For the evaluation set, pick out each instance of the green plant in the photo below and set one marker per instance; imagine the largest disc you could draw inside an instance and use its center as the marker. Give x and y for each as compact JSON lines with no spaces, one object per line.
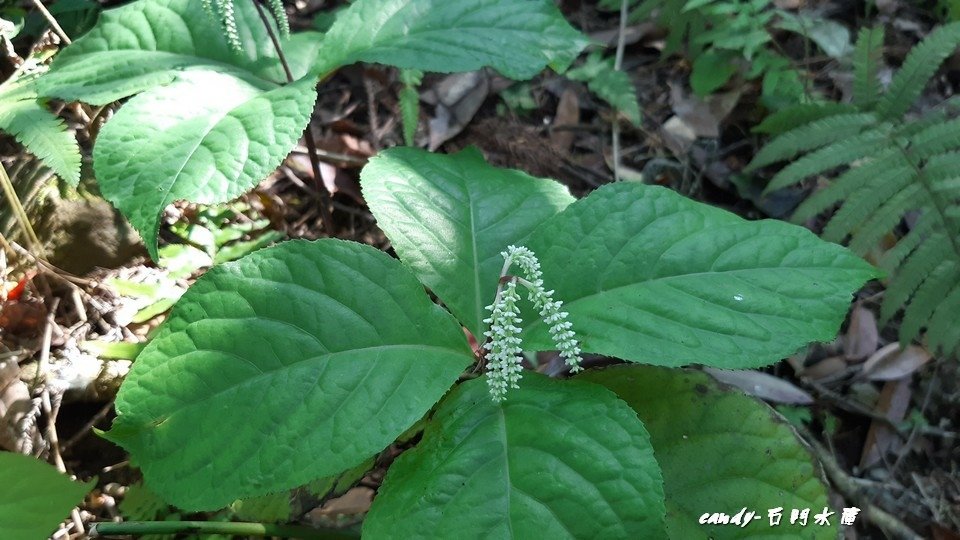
{"x":35,"y":497}
{"x":722,"y":37}
{"x":300,"y":363}
{"x":208,"y":120}
{"x":303,"y":360}
{"x":891,"y":164}
{"x":611,"y":85}
{"x":43,"y":134}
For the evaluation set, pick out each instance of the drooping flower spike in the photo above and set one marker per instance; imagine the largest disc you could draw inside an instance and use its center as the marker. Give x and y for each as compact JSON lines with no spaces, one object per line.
{"x":503,"y":338}
{"x":503,"y":342}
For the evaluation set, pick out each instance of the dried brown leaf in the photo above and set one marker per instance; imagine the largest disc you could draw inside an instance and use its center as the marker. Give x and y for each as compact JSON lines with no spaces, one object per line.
{"x":762,"y":385}
{"x":890,"y":362}
{"x":862,"y":338}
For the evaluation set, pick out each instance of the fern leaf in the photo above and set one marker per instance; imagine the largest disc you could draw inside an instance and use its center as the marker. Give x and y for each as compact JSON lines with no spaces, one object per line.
{"x":920,"y":65}
{"x":885,"y":218}
{"x":921,"y":307}
{"x":611,"y":85}
{"x":920,"y":264}
{"x":862,"y":204}
{"x":867,"y":58}
{"x":938,"y":138}
{"x":939,"y":177}
{"x":943,"y":332}
{"x":904,"y":249}
{"x":42,"y":133}
{"x":830,"y":157}
{"x":790,"y":117}
{"x":811,"y":136}
{"x":889,"y":163}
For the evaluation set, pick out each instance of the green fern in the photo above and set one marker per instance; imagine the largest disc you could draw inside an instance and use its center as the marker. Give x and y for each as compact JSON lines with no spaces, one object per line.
{"x":719,"y":36}
{"x":611,"y":85}
{"x":886,"y":166}
{"x":42,"y":133}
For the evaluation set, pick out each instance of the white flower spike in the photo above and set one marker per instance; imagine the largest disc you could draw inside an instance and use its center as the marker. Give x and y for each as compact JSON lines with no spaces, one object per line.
{"x":503,"y":344}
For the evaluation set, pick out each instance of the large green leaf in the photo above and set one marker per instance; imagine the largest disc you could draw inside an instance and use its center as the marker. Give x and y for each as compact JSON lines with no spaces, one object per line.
{"x":35,"y":497}
{"x":650,"y":276}
{"x":295,"y":362}
{"x":720,"y":451}
{"x":182,"y":141}
{"x":555,"y":460}
{"x":210,"y":124}
{"x":450,"y":216}
{"x":43,"y":134}
{"x":517,"y":38}
{"x":148,"y":43}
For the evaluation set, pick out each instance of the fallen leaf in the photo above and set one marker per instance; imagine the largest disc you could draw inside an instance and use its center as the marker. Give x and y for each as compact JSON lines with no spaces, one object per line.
{"x":456,"y":99}
{"x":568,"y":114}
{"x":18,"y":429}
{"x":762,"y":385}
{"x":355,"y":501}
{"x":862,"y":338}
{"x":881,"y":438}
{"x":825,"y":368}
{"x":703,"y":115}
{"x":631,"y":34}
{"x":891,"y":363}
{"x":677,"y":135}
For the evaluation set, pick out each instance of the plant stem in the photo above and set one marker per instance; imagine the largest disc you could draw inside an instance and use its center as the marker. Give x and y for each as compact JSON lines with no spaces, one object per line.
{"x":52,"y":21}
{"x":36,"y":248}
{"x":215,"y":527}
{"x":325,"y":212}
{"x":618,"y":62}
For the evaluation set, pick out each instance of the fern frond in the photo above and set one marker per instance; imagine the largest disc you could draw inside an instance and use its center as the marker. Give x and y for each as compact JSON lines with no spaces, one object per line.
{"x":941,"y":137}
{"x":868,"y":234}
{"x":862,"y":204}
{"x":939,"y":177}
{"x":920,"y":264}
{"x":920,"y":65}
{"x":796,"y":115}
{"x":889,"y":162}
{"x":811,"y":136}
{"x":831,"y":157}
{"x":40,"y":131}
{"x":933,"y":289}
{"x":943,"y":332}
{"x":895,"y":256}
{"x":867,"y":58}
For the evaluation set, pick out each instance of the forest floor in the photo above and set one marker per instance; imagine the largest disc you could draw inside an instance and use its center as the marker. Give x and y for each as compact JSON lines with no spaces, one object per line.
{"x":884,"y":421}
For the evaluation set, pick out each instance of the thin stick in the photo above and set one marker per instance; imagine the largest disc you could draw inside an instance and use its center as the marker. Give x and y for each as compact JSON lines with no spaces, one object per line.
{"x":325,"y":213}
{"x":51,"y":405}
{"x":848,"y":487}
{"x":87,"y":427}
{"x":215,"y":527}
{"x":52,"y":21}
{"x":36,"y":248}
{"x":618,"y":63}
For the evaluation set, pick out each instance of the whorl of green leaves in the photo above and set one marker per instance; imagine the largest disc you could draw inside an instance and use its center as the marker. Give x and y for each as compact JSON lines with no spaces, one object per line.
{"x":886,"y":166}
